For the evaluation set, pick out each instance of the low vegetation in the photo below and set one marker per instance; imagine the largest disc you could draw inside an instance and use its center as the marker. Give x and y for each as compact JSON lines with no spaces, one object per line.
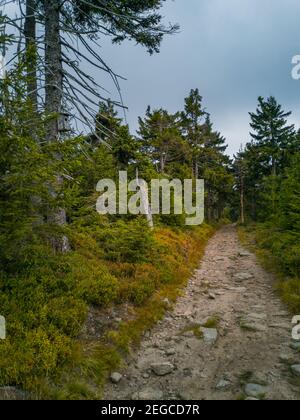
{"x":262,"y":240}
{"x":46,"y":305}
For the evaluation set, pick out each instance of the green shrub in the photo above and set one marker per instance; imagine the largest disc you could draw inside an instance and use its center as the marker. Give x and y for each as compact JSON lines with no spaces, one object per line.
{"x":130,"y":241}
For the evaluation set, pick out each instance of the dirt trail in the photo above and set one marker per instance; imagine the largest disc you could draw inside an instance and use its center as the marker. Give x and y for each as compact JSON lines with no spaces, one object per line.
{"x":246,"y":354}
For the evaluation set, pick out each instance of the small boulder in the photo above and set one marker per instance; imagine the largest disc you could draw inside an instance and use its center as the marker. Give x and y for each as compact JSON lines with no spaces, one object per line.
{"x":149,"y":394}
{"x":286,"y":358}
{"x":243,"y":276}
{"x":244,"y":254}
{"x":223,"y":385}
{"x":295,"y":345}
{"x":256,"y":391}
{"x":170,"y":352}
{"x":162,"y":369}
{"x":296,"y":370}
{"x":115,"y":377}
{"x":210,"y":335}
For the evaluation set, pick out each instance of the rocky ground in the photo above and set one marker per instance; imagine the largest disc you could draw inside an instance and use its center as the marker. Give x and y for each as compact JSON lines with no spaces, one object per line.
{"x":228,"y":338}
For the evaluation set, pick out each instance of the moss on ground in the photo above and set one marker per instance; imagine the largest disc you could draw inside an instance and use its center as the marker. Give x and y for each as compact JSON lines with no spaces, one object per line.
{"x":47,"y":301}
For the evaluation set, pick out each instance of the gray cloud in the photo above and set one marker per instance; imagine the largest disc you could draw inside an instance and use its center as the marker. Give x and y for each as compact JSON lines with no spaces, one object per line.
{"x":232,"y":50}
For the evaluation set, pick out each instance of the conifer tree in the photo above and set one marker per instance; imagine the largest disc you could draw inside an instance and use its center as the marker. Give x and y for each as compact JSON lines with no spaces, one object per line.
{"x":193,"y":118}
{"x":271,"y":133}
{"x":161,"y":138}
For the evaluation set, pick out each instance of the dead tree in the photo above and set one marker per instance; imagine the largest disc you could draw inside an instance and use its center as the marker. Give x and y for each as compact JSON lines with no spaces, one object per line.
{"x":31,"y":52}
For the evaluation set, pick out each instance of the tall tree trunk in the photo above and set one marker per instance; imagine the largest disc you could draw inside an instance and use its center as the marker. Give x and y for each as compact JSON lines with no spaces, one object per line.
{"x":54,"y":70}
{"x":145,"y":201}
{"x":54,"y":97}
{"x":196,"y":170}
{"x":162,"y":162}
{"x":31,"y":53}
{"x":32,"y":86}
{"x":274,"y":176}
{"x":242,"y":201}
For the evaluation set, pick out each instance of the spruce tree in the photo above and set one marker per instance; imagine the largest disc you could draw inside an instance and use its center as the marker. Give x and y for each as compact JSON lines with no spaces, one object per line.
{"x":271,"y":133}
{"x":192,"y":125}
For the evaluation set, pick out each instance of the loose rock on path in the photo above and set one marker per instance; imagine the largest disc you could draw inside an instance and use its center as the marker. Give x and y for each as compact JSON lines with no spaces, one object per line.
{"x":237,"y":345}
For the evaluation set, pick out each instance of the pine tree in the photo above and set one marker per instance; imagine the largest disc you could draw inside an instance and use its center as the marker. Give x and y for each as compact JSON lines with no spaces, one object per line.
{"x":107,"y":122}
{"x":272,"y":135}
{"x":240,"y":171}
{"x":192,"y":126}
{"x":136,"y":20}
{"x":161,"y":139}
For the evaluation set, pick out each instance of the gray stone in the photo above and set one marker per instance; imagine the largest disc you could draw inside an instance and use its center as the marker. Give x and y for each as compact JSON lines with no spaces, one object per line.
{"x":245,"y":254}
{"x":185,"y":395}
{"x":259,"y":379}
{"x":256,"y":391}
{"x":251,"y":399}
{"x":223,"y":385}
{"x":238,"y":289}
{"x":116,"y":377}
{"x":148,"y":394}
{"x":295,"y":346}
{"x":286,"y":358}
{"x":296,"y":370}
{"x":210,"y":335}
{"x":170,"y":352}
{"x":162,"y":369}
{"x":243,"y":276}
{"x":212,"y":296}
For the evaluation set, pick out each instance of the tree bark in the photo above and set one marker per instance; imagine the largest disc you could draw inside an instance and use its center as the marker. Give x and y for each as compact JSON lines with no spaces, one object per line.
{"x":54,"y":70}
{"x":31,"y":53}
{"x":53,"y":98}
{"x":145,"y":202}
{"x":242,"y":201}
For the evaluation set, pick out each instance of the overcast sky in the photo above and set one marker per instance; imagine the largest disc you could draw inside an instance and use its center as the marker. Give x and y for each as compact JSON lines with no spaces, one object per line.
{"x":232,"y":50}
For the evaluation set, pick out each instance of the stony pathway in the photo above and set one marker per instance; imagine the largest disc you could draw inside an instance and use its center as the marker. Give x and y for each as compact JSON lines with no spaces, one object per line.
{"x":228,"y":338}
